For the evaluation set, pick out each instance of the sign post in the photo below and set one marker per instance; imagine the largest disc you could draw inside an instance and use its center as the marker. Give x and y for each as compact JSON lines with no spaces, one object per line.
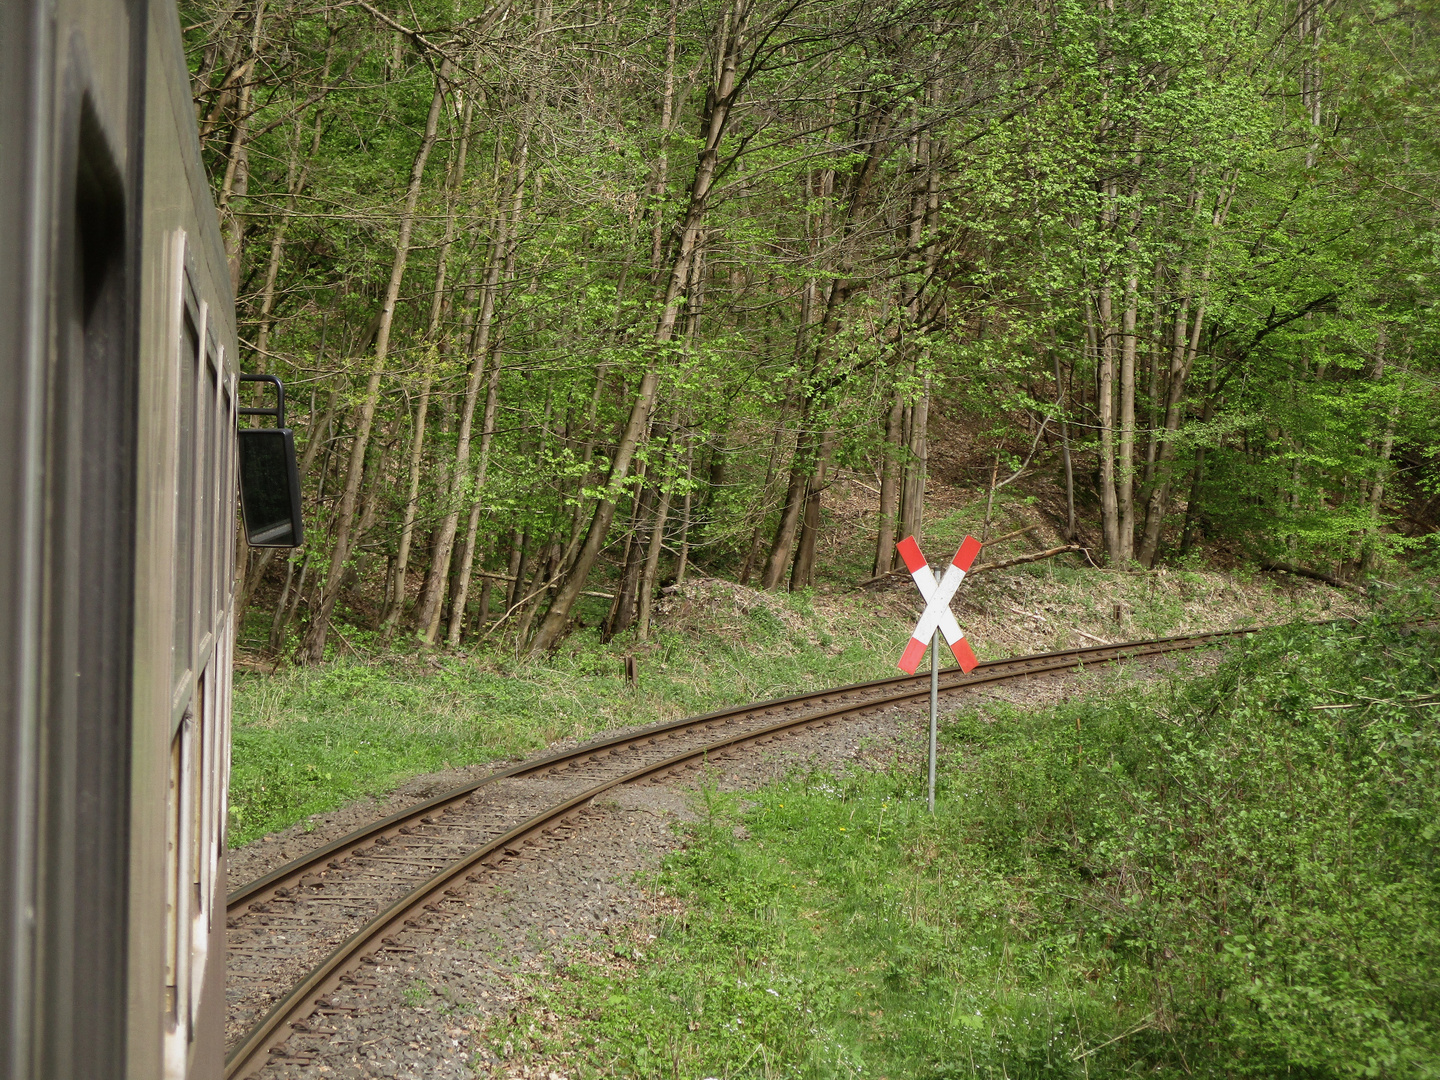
{"x":936,"y":620}
{"x":934,"y":708}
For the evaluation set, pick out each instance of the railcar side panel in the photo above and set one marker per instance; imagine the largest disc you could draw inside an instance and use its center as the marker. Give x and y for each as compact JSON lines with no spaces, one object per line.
{"x":24,"y":195}
{"x":117,"y":448}
{"x":187,"y":420}
{"x":69,"y":380}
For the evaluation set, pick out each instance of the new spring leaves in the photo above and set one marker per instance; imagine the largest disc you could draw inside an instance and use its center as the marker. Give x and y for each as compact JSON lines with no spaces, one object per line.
{"x":937,"y":596}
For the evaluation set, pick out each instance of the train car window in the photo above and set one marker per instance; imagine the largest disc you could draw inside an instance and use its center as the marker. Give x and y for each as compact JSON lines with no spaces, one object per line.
{"x":172,"y":881}
{"x":184,"y":573}
{"x":208,"y":507}
{"x":227,"y":484}
{"x":181,"y":846}
{"x":198,"y":853}
{"x":213,"y":767}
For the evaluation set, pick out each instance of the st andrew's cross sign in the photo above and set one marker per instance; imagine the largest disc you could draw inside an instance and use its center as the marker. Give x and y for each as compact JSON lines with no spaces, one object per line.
{"x":937,"y":594}
{"x":935,"y":620}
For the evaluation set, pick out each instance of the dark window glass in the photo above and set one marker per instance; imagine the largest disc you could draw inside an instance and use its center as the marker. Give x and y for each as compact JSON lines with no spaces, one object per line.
{"x":207,"y":508}
{"x":185,"y":502}
{"x":227,"y":502}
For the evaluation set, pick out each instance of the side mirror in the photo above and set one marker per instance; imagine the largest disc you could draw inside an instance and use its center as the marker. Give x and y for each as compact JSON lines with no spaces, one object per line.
{"x":269,"y":479}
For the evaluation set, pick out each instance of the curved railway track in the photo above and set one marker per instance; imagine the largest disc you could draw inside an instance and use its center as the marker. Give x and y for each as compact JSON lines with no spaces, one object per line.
{"x":297,"y":933}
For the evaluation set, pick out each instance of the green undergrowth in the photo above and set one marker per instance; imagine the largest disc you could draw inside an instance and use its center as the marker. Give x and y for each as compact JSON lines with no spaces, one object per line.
{"x":1229,"y":876}
{"x":307,"y":740}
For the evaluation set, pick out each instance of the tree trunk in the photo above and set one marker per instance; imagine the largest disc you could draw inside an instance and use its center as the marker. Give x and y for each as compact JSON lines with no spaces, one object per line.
{"x":249,"y":582}
{"x":1197,"y":473}
{"x":802,"y":574}
{"x":467,"y":558}
{"x":1187,"y":345}
{"x":521,"y":571}
{"x":916,"y":418}
{"x":1126,"y":464}
{"x":763,"y":501}
{"x":660,"y":176}
{"x":685,"y":518}
{"x":532,"y":600}
{"x":801,"y":466}
{"x":1156,"y":347}
{"x":1182,"y":358}
{"x":314,"y":646}
{"x":428,"y":617}
{"x":652,"y":566}
{"x":1382,"y":462}
{"x":587,"y":458}
{"x":482,"y":613}
{"x":284,"y":617}
{"x":1105,"y":394}
{"x":723,"y":96}
{"x":1070,"y":527}
{"x":276,"y":627}
{"x":512,"y":567}
{"x":401,"y":570}
{"x":859,"y":186}
{"x":912,"y":488}
{"x":295,"y":178}
{"x":889,"y":466}
{"x":294,"y":182}
{"x":370,"y":502}
{"x":237,"y":163}
{"x":622,"y":610}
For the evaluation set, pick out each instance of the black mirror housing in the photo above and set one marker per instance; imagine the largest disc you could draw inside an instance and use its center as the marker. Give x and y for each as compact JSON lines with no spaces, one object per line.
{"x":269,"y":478}
{"x":270,"y":488}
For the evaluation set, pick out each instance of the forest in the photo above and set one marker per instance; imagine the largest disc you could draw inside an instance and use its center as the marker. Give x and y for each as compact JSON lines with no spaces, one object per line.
{"x":576,"y":300}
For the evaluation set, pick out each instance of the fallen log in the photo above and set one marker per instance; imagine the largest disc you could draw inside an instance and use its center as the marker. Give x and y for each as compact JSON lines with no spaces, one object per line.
{"x":1306,"y":572}
{"x":1036,"y":556}
{"x":1011,"y":535}
{"x":496,"y":576}
{"x":999,"y":564}
{"x":881,"y":577}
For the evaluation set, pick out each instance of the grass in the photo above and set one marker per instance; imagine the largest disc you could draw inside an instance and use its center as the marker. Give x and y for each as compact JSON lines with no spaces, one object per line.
{"x":1237,"y":876}
{"x":307,"y":740}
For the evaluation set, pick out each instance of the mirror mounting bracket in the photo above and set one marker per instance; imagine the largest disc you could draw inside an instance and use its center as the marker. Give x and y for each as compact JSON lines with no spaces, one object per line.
{"x":279,"y":411}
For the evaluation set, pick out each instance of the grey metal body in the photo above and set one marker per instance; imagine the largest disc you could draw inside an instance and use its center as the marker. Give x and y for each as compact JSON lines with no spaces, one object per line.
{"x":116,"y":536}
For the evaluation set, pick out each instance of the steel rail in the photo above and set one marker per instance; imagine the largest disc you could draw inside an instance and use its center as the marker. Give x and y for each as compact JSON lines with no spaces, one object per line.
{"x":250,"y":1054}
{"x":276,"y":881}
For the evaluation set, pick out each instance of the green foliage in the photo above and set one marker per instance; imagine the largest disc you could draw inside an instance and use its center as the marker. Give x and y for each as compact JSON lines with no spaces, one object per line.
{"x":307,"y":740}
{"x":912,"y":199}
{"x":1233,"y":876}
{"x":1258,"y":849}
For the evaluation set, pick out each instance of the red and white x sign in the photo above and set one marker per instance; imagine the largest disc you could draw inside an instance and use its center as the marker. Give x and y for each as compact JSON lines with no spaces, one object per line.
{"x":937,"y":596}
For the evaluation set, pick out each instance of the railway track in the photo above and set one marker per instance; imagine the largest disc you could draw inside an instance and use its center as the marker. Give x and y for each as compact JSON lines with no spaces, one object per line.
{"x":299,"y":932}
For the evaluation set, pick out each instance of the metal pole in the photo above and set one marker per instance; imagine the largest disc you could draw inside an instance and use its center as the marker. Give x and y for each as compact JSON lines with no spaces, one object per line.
{"x":934,"y":708}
